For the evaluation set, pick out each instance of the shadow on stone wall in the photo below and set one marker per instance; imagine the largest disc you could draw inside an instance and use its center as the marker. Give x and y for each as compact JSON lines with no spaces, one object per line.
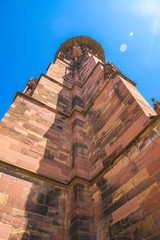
{"x":46,"y":204}
{"x":54,"y":213}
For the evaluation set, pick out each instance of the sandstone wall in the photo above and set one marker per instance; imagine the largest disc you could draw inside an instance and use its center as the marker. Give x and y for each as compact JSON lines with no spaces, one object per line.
{"x":53,"y":95}
{"x":30,"y":209}
{"x":68,"y":167}
{"x":61,"y":72}
{"x":127,"y":198}
{"x":113,"y":121}
{"x":80,"y":213}
{"x":36,"y":138}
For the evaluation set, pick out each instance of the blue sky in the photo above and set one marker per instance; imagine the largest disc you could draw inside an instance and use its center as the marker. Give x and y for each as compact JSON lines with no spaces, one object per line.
{"x":32,"y":30}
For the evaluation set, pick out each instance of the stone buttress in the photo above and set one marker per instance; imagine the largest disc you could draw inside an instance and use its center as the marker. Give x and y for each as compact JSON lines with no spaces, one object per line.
{"x":79,"y":154}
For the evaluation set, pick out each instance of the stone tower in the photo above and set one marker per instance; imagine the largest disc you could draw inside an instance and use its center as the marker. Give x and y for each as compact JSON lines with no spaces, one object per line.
{"x":80,"y":154}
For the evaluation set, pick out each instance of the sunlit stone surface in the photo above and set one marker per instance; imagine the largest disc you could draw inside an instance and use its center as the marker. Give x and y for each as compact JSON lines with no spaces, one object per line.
{"x":79,"y":153}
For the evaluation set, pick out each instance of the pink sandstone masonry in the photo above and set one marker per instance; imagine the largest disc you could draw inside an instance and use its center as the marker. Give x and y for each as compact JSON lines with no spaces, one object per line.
{"x":79,"y":154}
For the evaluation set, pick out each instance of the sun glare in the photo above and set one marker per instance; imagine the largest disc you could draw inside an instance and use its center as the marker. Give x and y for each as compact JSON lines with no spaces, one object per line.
{"x":150,"y":9}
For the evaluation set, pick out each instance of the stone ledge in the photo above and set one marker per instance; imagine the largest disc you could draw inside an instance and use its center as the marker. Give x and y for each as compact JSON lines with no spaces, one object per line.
{"x":75,"y":110}
{"x":67,"y":185}
{"x":81,"y":86}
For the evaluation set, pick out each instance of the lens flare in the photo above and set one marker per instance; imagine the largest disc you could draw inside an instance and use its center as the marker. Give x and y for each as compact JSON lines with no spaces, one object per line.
{"x":123,"y":47}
